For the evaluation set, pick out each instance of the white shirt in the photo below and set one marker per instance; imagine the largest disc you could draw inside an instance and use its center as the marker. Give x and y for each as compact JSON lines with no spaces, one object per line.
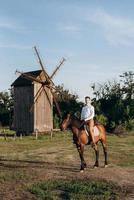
{"x":87,"y":112}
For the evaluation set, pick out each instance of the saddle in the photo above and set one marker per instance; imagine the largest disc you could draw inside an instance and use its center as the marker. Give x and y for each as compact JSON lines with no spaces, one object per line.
{"x":96,"y":130}
{"x":86,"y":128}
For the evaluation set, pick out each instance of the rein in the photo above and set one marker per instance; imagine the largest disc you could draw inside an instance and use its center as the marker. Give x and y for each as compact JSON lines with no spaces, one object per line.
{"x":75,"y":122}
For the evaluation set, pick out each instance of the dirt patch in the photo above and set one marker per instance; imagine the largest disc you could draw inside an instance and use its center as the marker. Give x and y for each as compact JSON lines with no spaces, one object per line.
{"x":29,"y":161}
{"x":39,"y":171}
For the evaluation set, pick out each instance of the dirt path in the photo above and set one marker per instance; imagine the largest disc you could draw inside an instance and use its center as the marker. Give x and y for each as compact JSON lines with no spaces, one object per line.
{"x":28,"y":161}
{"x":31,"y":172}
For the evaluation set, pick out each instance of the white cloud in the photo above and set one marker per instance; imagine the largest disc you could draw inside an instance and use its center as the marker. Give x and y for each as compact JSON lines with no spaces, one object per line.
{"x":6,"y":25}
{"x":69,"y":28}
{"x":117,"y":30}
{"x":15,"y":26}
{"x":10,"y":24}
{"x":15,"y":46}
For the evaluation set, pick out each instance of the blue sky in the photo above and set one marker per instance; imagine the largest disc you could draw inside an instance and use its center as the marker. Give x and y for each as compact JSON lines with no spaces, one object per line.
{"x":95,"y":36}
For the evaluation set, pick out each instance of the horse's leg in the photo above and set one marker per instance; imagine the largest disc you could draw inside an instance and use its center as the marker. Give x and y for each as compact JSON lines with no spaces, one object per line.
{"x":105,"y":152}
{"x":80,"y":149}
{"x":97,"y":156}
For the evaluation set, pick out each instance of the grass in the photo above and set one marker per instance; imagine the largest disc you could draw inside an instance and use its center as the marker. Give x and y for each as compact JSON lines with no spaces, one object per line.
{"x":6,"y":130}
{"x":17,"y":175}
{"x":121,"y":150}
{"x":76,"y":190}
{"x":63,"y":151}
{"x":26,"y":161}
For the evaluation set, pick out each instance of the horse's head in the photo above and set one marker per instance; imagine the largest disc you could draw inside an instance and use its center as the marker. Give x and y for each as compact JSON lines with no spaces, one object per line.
{"x":66,"y":122}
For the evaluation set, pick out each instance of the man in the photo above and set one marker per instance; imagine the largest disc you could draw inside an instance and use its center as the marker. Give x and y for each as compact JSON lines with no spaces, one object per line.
{"x":87,"y":114}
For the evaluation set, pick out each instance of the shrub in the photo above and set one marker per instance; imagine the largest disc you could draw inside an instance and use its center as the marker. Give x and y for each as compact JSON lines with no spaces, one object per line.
{"x":129,"y":125}
{"x":56,"y":121}
{"x":119,"y":129}
{"x":102,"y":119}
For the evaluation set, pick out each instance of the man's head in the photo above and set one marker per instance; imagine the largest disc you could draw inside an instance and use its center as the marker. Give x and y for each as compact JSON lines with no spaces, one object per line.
{"x":87,"y":100}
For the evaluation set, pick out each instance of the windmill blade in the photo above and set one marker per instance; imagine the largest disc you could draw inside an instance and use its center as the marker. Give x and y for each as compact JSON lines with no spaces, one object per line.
{"x":58,"y":67}
{"x":54,"y":88}
{"x":42,"y":67}
{"x":56,"y":104}
{"x":46,"y":92}
{"x":48,"y":79}
{"x":38,"y":95}
{"x":36,"y":98}
{"x":29,"y":77}
{"x":47,"y":96}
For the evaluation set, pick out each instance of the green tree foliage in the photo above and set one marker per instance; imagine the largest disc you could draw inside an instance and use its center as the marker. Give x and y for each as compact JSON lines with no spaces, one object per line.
{"x":6,"y":104}
{"x":115,"y":101}
{"x":67,"y":102}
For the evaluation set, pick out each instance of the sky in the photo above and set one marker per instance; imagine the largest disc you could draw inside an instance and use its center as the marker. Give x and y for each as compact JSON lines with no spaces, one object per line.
{"x":95,"y":36}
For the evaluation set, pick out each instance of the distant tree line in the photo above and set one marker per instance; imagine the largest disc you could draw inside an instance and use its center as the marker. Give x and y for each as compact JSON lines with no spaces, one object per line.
{"x":6,"y":107}
{"x":113,"y":101}
{"x":67,"y":102}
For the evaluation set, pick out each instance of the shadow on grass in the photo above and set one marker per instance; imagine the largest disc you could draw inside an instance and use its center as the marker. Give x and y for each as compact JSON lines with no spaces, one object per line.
{"x":40,"y":164}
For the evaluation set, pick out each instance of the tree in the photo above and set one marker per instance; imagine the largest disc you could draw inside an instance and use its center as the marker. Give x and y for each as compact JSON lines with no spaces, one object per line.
{"x":127,"y":80}
{"x":6,"y":103}
{"x":115,"y":100}
{"x":67,"y":102}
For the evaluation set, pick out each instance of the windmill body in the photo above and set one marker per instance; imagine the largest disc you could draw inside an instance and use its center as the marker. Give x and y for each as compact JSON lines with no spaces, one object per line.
{"x":34,"y":93}
{"x":27,"y":93}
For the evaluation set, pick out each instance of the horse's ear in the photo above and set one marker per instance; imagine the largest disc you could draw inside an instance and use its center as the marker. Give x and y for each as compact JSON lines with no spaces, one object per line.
{"x":68,"y":114}
{"x":71,"y":113}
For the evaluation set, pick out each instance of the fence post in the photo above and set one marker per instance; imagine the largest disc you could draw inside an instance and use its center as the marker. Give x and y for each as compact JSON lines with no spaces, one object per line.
{"x":4,"y":134}
{"x":21,"y":136}
{"x":36,"y":133}
{"x":51,"y":133}
{"x":15,"y":136}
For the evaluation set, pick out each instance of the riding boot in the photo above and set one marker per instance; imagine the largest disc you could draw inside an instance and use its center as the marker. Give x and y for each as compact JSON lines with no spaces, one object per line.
{"x":93,"y":145}
{"x":81,"y":124}
{"x":74,"y":139}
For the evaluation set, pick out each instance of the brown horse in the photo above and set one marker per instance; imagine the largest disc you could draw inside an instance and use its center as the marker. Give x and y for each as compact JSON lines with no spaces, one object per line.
{"x":81,"y":138}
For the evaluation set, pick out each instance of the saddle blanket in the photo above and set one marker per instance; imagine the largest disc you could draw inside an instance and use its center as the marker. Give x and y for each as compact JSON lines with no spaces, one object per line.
{"x":96,"y":131}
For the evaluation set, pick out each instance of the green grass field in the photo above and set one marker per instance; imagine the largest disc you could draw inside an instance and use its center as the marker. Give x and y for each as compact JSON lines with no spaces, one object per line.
{"x":76,"y":189}
{"x":29,"y":166}
{"x":118,"y":147}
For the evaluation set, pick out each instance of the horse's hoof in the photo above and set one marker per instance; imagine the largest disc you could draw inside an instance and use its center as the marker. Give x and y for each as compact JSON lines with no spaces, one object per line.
{"x":105,"y":166}
{"x":85,"y":166}
{"x":95,"y":166}
{"x":82,"y":170}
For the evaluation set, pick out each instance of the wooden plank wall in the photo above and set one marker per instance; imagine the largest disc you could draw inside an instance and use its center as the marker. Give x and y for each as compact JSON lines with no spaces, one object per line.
{"x":23,"y":119}
{"x":43,"y":112}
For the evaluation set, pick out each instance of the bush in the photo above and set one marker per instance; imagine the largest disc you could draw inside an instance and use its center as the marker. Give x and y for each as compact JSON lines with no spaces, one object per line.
{"x":112,"y":125}
{"x":129,"y":125}
{"x":56,"y":121}
{"x":102,"y":119}
{"x":119,"y":129}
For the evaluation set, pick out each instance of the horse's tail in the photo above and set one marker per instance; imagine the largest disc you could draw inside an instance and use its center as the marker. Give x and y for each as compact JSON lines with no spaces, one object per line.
{"x":102,"y":131}
{"x":96,"y":123}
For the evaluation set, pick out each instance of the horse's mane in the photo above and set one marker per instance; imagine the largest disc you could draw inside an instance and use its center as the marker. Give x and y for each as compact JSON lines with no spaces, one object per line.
{"x":75,"y":118}
{"x":71,"y":114}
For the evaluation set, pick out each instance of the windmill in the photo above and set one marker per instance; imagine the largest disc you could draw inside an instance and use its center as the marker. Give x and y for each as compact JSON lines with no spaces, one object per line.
{"x":45,"y":87}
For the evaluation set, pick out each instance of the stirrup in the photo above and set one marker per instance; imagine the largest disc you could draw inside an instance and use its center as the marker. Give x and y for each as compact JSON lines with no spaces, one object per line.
{"x":86,"y":130}
{"x":93,"y":145}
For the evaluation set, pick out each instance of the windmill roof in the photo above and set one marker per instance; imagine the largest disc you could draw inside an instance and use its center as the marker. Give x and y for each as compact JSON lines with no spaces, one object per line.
{"x":21,"y":81}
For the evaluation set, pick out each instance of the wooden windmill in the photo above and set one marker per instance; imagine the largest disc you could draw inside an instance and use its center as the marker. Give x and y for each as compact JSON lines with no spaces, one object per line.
{"x":34,"y":94}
